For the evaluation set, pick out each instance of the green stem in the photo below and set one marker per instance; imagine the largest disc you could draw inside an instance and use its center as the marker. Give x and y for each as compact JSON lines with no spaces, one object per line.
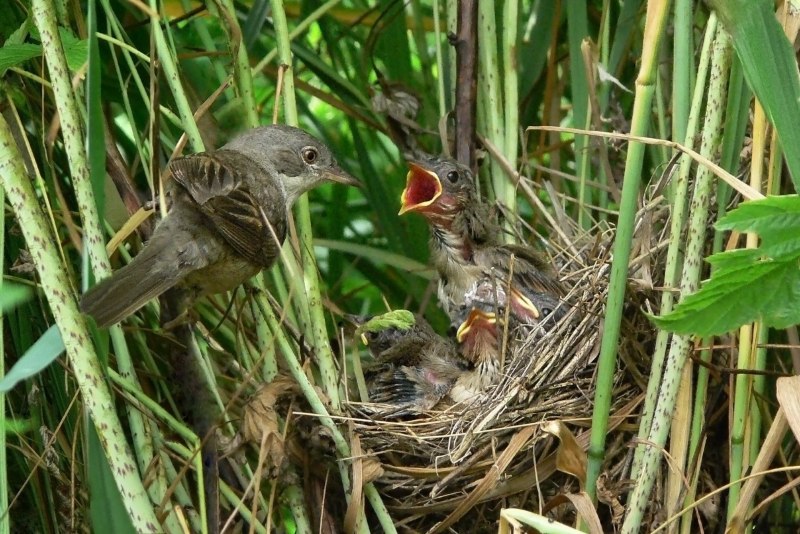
{"x":491,"y":100}
{"x":5,"y":517}
{"x":315,"y":328}
{"x":71,"y":325}
{"x":676,"y":240}
{"x":654,"y":28}
{"x":170,"y":67}
{"x":690,"y":280}
{"x":242,"y":74}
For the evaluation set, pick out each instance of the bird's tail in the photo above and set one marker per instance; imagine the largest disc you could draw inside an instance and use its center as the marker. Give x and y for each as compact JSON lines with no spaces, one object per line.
{"x":129,"y":288}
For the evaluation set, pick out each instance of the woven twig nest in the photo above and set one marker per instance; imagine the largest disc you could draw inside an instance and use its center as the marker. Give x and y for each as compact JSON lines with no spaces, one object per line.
{"x":447,"y":461}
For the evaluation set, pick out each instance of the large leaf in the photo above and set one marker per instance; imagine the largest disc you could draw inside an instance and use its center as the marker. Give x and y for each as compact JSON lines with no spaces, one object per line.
{"x":770,"y":68}
{"x":776,"y":219}
{"x":12,"y":55}
{"x":744,"y":290}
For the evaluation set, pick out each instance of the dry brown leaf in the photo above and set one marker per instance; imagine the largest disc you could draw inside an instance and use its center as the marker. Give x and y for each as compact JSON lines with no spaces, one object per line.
{"x":570,"y":457}
{"x":371,"y":469}
{"x":355,"y":505}
{"x":606,"y":496}
{"x":583,"y":505}
{"x":260,"y":421}
{"x":788,"y":393}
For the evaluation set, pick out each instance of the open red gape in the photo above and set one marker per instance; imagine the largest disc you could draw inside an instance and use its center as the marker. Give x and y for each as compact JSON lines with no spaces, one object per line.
{"x":422,"y":189}
{"x":476,"y":321}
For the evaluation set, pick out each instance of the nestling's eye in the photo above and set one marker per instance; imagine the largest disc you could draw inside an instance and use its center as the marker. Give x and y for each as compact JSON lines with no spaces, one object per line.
{"x":453,"y":176}
{"x":310,"y":154}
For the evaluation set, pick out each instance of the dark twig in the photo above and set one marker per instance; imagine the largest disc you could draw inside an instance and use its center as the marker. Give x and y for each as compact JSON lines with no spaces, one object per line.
{"x":466,"y":44}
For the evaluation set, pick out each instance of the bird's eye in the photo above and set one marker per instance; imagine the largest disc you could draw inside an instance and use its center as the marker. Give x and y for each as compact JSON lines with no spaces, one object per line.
{"x":453,"y":176}
{"x":310,"y":154}
{"x":546,"y":312}
{"x":372,"y":335}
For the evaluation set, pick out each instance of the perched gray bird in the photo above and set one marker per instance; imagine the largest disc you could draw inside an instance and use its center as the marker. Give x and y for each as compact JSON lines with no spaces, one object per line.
{"x":226,"y":220}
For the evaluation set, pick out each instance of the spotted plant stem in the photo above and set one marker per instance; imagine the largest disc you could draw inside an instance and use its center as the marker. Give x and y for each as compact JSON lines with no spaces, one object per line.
{"x":77,"y":342}
{"x":690,"y":280}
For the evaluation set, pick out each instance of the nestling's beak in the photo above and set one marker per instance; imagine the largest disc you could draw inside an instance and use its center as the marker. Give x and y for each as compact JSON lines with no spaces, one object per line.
{"x":422,"y":189}
{"x":338,"y":175}
{"x":476,"y":319}
{"x":525,"y":303}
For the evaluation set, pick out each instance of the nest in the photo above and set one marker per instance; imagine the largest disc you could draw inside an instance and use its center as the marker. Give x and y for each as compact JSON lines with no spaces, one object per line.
{"x":457,"y":466}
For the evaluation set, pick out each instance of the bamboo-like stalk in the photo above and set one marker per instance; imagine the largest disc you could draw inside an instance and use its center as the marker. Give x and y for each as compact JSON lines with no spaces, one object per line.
{"x":510,"y":85}
{"x":675,"y":247}
{"x":5,"y":517}
{"x":743,"y":383}
{"x":682,"y":67}
{"x":170,"y":67}
{"x":315,"y":327}
{"x":639,"y":497}
{"x":490,"y":101}
{"x":94,"y":242}
{"x":301,"y":27}
{"x":654,"y":28}
{"x":242,"y":74}
{"x":577,"y":31}
{"x":56,"y":287}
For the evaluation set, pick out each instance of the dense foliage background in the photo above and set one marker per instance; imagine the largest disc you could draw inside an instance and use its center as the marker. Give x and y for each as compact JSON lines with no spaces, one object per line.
{"x":87,"y":133}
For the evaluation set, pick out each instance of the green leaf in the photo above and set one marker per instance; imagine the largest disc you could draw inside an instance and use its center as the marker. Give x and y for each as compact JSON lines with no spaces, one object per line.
{"x":13,"y":295}
{"x":76,"y":50}
{"x":41,"y":354}
{"x":774,"y":212}
{"x":770,"y":68}
{"x":379,"y":256}
{"x":106,"y":508}
{"x":12,"y":55}
{"x":742,"y":292}
{"x":776,"y":219}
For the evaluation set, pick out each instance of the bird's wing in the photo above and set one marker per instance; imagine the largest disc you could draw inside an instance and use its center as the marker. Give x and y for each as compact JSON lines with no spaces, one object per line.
{"x":529,"y":269}
{"x":221,"y":184}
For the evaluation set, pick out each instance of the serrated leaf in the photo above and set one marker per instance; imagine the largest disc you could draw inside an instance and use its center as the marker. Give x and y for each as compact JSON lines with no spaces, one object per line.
{"x":19,"y":35}
{"x":765,"y":290}
{"x":761,"y":215}
{"x":41,"y":354}
{"x":13,"y":295}
{"x":775,"y":219}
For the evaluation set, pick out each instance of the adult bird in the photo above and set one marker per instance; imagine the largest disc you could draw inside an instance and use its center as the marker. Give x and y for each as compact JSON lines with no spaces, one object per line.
{"x":226,"y":219}
{"x":466,"y":250}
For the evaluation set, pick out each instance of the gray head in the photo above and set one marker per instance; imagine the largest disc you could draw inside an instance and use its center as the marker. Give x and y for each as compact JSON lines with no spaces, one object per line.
{"x":298,"y":159}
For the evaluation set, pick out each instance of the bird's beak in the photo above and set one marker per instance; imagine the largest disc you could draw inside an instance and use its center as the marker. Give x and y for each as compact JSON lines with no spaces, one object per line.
{"x":476,"y":319}
{"x":422,"y":189}
{"x":338,"y":175}
{"x":518,"y":298}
